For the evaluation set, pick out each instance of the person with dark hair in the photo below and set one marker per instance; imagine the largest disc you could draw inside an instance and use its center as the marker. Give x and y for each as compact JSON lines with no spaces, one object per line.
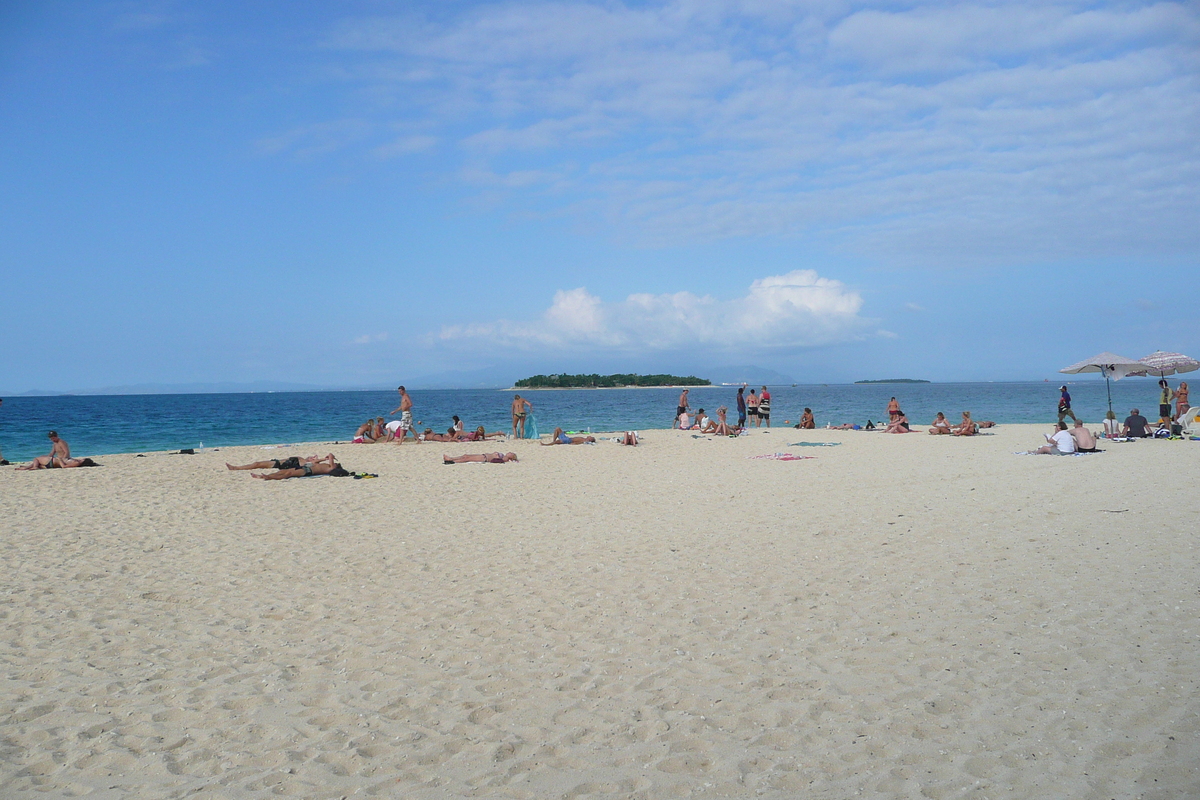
{"x":807,"y":423}
{"x":59,"y":457}
{"x":520,"y":412}
{"x":764,"y":406}
{"x":480,"y":458}
{"x":741,"y":406}
{"x":1164,"y":403}
{"x":1064,"y":405}
{"x":681,"y":408}
{"x":406,"y":419}
{"x":324,"y":466}
{"x":291,"y":462}
{"x":1060,"y":443}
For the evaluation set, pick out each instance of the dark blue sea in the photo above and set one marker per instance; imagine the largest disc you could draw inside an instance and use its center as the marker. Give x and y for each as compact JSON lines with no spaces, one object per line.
{"x":99,"y":424}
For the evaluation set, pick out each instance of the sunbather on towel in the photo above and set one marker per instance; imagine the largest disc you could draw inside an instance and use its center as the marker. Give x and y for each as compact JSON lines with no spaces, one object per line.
{"x":941,"y":425}
{"x":59,"y":457}
{"x":899,"y":425}
{"x":1060,"y":443}
{"x":558,"y":437}
{"x":479,"y":458}
{"x":967,"y":427}
{"x":292,"y":462}
{"x":1085,"y":440}
{"x":324,"y":466}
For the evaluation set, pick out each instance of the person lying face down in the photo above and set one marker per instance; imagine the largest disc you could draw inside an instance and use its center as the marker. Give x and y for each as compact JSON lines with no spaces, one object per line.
{"x":480,"y":458}
{"x":324,"y":466}
{"x":558,"y":437}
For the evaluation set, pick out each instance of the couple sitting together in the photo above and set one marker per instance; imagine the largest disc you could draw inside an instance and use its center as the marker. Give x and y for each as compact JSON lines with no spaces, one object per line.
{"x":1065,"y":442}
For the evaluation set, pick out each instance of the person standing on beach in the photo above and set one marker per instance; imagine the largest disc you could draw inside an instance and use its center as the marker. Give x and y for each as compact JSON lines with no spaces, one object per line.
{"x":893,"y":409}
{"x":752,"y":408}
{"x":406,"y":420}
{"x":1181,"y":401}
{"x":1164,"y":402}
{"x":520,"y":410}
{"x":1064,"y":405}
{"x":680,"y":409}
{"x":764,"y":406}
{"x":4,"y":461}
{"x":741,"y":406}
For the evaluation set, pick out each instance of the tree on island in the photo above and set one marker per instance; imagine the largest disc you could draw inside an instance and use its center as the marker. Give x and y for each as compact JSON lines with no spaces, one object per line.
{"x":607,"y":381}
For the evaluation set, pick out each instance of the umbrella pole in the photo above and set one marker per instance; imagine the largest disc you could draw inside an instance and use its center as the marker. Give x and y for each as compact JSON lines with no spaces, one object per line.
{"x":1108,"y":386}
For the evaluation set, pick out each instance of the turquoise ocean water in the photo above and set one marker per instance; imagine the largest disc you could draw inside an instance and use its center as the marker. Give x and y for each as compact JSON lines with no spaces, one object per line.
{"x":98,"y":424}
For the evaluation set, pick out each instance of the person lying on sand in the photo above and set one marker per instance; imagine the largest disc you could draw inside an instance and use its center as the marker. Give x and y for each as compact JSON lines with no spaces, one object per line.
{"x":479,"y":435}
{"x":558,"y":437}
{"x":429,"y":436}
{"x":324,"y":466}
{"x":480,"y":458}
{"x":58,"y":458}
{"x":940,"y":425}
{"x":899,"y":425}
{"x":291,"y":462}
{"x":966,"y":427}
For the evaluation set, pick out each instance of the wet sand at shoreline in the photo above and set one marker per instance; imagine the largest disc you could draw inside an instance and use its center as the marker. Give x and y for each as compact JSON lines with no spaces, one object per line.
{"x":898,"y":616}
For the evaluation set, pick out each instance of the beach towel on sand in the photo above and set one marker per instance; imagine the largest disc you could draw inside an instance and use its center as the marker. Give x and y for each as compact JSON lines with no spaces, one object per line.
{"x":782,"y":457}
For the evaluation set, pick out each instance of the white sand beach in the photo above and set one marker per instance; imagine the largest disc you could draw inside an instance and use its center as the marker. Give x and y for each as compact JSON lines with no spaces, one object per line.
{"x":898,"y":616}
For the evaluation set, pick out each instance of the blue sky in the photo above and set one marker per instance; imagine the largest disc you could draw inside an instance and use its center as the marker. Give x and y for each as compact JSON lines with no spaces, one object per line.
{"x":352,"y":193}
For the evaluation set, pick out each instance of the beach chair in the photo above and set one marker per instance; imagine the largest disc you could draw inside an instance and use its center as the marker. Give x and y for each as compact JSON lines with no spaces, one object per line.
{"x":1191,"y":421}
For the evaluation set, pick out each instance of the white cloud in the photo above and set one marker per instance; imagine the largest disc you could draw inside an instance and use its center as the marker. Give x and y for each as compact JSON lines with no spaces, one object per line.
{"x":371,"y":338}
{"x":796,"y":310}
{"x":936,"y":133}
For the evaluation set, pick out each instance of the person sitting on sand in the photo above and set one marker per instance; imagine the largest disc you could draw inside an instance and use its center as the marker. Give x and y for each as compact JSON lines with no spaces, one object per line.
{"x":58,"y":458}
{"x":558,"y":437}
{"x":291,"y":462}
{"x":703,"y":421}
{"x":457,"y":423}
{"x":807,"y":422}
{"x":899,"y":424}
{"x":480,"y":458}
{"x":721,"y":426}
{"x":1135,"y":425}
{"x":629,"y":438}
{"x":684,"y":421}
{"x":940,"y":425}
{"x":1061,"y":443}
{"x":322,"y":466}
{"x":363,"y":434}
{"x":967,"y":427}
{"x":1085,"y":440}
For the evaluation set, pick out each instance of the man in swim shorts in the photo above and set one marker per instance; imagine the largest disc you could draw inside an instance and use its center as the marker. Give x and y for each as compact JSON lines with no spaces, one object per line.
{"x":58,"y":458}
{"x":559,"y":437}
{"x":291,"y":462}
{"x":406,"y":421}
{"x":764,"y":406}
{"x":322,"y":466}
{"x":681,"y":408}
{"x":741,"y":406}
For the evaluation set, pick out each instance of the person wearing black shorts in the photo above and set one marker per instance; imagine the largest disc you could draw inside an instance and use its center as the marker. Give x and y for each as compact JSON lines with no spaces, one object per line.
{"x":682,"y":407}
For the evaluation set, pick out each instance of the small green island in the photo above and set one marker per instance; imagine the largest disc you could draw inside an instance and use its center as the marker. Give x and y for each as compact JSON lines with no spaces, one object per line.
{"x":607,"y":381}
{"x":895,"y":380}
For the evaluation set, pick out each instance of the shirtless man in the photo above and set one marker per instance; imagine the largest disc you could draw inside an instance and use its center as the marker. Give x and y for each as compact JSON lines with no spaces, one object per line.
{"x":1085,"y":441}
{"x":558,"y":437}
{"x":291,"y":462}
{"x":406,"y":421}
{"x":520,"y":410}
{"x":752,"y":409}
{"x":682,"y":408}
{"x":322,"y":466}
{"x":59,"y":457}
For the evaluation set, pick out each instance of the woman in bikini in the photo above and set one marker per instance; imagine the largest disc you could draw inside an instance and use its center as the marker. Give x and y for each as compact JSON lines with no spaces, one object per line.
{"x":899,"y":425}
{"x":940,"y":425}
{"x":1181,"y":401}
{"x":966,"y":427}
{"x":807,"y":423}
{"x":480,"y":458}
{"x":324,"y":466}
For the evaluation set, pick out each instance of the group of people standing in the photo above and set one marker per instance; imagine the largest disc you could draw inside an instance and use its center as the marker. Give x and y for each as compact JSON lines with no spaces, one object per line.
{"x":753,"y":410}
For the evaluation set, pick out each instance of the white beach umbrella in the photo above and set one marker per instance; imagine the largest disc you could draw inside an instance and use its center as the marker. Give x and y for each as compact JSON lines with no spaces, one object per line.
{"x":1110,"y":365}
{"x":1161,"y":363}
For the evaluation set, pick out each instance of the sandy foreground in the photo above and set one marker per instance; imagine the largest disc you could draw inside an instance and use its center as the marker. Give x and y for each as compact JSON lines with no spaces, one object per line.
{"x":899,"y":616}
